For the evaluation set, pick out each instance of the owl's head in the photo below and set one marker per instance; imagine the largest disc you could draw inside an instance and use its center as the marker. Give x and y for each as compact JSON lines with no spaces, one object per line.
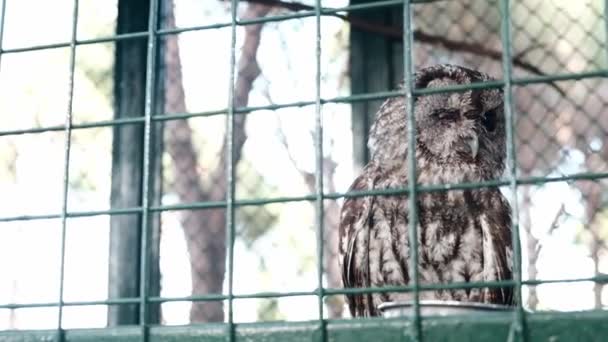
{"x":465,"y":130}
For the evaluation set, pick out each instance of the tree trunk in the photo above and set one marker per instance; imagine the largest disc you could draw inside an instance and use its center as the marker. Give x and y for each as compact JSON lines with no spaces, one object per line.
{"x":331,"y":222}
{"x":592,"y":192}
{"x":335,"y":304}
{"x":595,"y":249}
{"x":532,"y":245}
{"x":205,"y":230}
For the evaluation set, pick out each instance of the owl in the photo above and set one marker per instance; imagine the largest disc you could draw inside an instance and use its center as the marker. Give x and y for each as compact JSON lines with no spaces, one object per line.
{"x":463,"y":235}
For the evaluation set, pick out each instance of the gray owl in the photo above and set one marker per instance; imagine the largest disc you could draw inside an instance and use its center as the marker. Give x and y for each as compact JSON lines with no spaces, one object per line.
{"x":463,"y":235}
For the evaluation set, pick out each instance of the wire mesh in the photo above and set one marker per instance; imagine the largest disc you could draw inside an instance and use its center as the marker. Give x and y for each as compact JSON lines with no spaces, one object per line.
{"x":514,"y":83}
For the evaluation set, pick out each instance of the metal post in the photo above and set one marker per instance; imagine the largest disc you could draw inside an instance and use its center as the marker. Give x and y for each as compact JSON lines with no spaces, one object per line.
{"x":230,"y":171}
{"x":408,"y":71}
{"x":605,"y":29}
{"x":319,"y":196}
{"x":145,"y":219}
{"x":129,"y":92}
{"x":66,"y":170}
{"x":2,"y":14}
{"x":517,"y":330}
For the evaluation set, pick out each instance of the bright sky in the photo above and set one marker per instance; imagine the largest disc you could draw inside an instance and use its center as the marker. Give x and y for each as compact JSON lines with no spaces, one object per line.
{"x":29,"y":88}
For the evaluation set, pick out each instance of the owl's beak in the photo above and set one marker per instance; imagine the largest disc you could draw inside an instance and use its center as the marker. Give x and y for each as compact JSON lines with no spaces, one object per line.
{"x":473,"y":143}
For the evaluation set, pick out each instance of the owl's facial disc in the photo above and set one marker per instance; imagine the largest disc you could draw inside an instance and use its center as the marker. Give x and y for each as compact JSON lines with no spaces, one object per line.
{"x":452,"y":130}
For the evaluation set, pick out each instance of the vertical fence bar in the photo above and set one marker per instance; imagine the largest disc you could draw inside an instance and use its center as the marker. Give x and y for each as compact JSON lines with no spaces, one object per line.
{"x":66,"y":169}
{"x":605,"y":29}
{"x":2,"y":12}
{"x":408,"y":72}
{"x":319,"y":205}
{"x":230,"y":172}
{"x":145,"y":226}
{"x":517,"y":329}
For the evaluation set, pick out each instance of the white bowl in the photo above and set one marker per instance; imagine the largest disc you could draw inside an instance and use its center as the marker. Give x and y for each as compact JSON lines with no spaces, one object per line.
{"x":439,"y":308}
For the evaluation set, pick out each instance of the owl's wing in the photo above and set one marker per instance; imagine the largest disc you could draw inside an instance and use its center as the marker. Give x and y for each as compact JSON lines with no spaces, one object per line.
{"x":355,"y":225}
{"x":499,"y":252}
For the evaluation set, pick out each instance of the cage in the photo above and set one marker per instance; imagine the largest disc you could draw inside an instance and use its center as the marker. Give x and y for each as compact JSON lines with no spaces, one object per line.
{"x":175,"y":169}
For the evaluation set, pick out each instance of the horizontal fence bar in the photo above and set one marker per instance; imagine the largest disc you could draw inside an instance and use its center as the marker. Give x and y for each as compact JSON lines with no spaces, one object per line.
{"x":263,"y":201}
{"x":109,"y":39}
{"x":117,"y":301}
{"x":74,"y":214}
{"x":543,"y":326}
{"x":104,"y":123}
{"x":181,"y":116}
{"x":326,"y":292}
{"x":340,"y":99}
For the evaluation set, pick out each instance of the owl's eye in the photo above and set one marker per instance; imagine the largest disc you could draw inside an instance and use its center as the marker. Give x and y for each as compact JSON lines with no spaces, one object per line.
{"x":446,"y":114}
{"x":489,"y":120}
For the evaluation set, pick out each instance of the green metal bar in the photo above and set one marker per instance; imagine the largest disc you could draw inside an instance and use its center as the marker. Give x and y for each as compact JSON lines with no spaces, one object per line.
{"x":217,"y":297}
{"x":145,"y":213}
{"x":415,"y":330}
{"x":538,"y":79}
{"x":319,"y":202}
{"x":388,"y":289}
{"x":326,"y":291}
{"x":124,"y":211}
{"x":459,"y":88}
{"x":518,"y":332}
{"x":104,"y":123}
{"x":117,"y":301}
{"x":30,"y":217}
{"x":109,"y":39}
{"x":601,"y":73}
{"x":36,"y":48}
{"x":66,"y":170}
{"x":230,"y":171}
{"x":335,"y":195}
{"x":2,"y":14}
{"x":339,"y":99}
{"x":114,"y":38}
{"x":383,"y":289}
{"x":545,"y":326}
{"x":242,"y":110}
{"x":605,"y":28}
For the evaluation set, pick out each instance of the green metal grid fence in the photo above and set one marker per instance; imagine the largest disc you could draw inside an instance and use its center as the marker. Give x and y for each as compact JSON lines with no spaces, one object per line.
{"x":518,"y":326}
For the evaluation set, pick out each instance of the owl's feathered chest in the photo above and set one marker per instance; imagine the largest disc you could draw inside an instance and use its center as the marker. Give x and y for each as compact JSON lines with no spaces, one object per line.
{"x":459,"y":237}
{"x":450,"y":237}
{"x":449,"y":230}
{"x":454,"y":245}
